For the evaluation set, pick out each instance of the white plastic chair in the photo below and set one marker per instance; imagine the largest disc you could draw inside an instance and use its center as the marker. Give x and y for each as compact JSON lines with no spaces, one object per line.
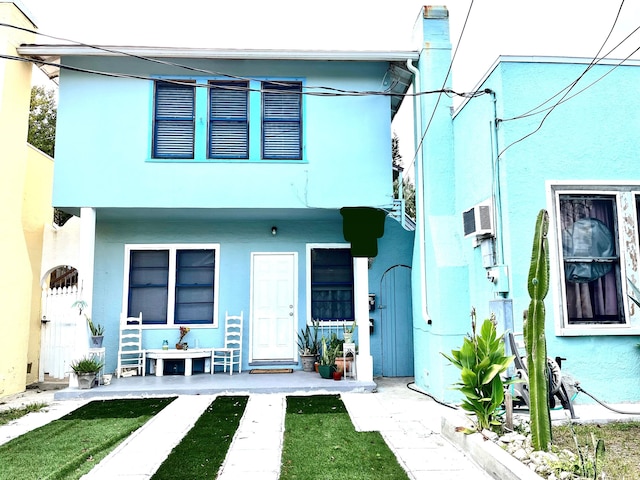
{"x":231,"y":353}
{"x":130,"y":353}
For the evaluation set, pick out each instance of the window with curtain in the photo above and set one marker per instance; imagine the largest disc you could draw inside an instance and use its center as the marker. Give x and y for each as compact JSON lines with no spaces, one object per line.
{"x":591,"y":259}
{"x":228,"y":120}
{"x":172,"y":284}
{"x":332,"y":291}
{"x":174,"y":120}
{"x":282,"y":120}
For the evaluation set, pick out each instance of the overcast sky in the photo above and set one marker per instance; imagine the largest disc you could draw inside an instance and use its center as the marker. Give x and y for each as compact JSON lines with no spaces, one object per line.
{"x":494,"y":27}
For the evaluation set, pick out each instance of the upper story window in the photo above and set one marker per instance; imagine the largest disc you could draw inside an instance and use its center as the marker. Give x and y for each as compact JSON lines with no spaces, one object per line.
{"x":592,"y":224}
{"x":227,"y":120}
{"x":172,"y":284}
{"x":282,"y":120}
{"x":174,"y":121}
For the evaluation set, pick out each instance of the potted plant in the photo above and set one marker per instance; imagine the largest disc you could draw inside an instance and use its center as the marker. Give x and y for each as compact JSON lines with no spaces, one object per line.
{"x":86,"y":369}
{"x":308,"y":346}
{"x":348,"y":332}
{"x":183,"y":345}
{"x":97,"y":330}
{"x":328,"y":359}
{"x":343,"y":362}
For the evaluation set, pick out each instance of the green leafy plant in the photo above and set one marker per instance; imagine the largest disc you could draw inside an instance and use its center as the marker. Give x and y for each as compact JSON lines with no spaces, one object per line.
{"x":96,"y":329}
{"x":87,"y":364}
{"x":329,"y":353}
{"x":534,"y":336}
{"x":481,"y":360}
{"x":588,"y":461}
{"x":308,"y":343}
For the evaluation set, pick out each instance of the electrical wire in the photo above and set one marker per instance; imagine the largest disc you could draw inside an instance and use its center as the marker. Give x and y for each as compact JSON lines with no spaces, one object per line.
{"x":439,"y":402}
{"x":435,"y":108}
{"x":535,"y":111}
{"x":330,"y":91}
{"x":571,"y":86}
{"x":591,"y":64}
{"x":345,"y":93}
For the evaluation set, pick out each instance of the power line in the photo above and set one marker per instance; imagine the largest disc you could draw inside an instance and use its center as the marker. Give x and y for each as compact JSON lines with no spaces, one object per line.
{"x":594,"y":62}
{"x":572,"y":85}
{"x":331,"y":91}
{"x":442,"y":90}
{"x":344,"y":93}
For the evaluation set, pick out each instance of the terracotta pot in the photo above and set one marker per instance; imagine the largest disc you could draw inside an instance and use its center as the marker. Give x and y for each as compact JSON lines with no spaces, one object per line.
{"x":337,"y":375}
{"x":340,"y":365}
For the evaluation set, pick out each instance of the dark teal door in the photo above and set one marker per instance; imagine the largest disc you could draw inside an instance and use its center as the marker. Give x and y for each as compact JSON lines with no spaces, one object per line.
{"x":396,"y":322}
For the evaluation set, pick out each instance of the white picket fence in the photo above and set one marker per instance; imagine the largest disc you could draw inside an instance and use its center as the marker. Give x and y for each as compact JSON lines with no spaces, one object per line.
{"x":64,"y":332}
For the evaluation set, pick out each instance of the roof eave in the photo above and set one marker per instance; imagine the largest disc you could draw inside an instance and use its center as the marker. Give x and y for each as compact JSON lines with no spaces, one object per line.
{"x":32,"y":50}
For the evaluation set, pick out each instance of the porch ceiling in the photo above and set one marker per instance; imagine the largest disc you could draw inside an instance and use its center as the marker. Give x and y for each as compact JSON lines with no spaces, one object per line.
{"x":221,"y":214}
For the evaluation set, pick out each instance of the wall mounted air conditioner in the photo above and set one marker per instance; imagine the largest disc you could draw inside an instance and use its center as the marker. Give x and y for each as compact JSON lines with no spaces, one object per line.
{"x":478,"y":220}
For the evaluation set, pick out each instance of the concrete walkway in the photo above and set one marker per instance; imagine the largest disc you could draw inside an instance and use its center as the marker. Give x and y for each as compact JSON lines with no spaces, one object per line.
{"x":409,"y":422}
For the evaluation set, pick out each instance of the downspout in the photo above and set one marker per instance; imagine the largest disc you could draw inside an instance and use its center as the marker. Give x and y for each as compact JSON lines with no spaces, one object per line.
{"x":420,"y":196}
{"x":497,"y":202}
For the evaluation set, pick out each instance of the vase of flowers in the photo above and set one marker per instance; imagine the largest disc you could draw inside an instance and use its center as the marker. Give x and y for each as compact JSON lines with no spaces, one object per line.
{"x":182,"y":345}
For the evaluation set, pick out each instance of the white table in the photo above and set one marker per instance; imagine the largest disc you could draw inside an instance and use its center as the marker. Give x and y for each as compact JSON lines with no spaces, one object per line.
{"x":160,"y":356}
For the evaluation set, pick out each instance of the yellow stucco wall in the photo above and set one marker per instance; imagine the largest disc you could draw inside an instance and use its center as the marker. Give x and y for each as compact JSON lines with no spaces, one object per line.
{"x":25,"y":192}
{"x":36,"y":212}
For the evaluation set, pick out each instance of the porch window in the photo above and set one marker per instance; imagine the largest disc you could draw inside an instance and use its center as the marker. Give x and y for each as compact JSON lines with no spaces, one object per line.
{"x":282,"y":120}
{"x":173,"y":284}
{"x":590,"y":254}
{"x":332,"y":284}
{"x":228,"y":120}
{"x":174,"y":121}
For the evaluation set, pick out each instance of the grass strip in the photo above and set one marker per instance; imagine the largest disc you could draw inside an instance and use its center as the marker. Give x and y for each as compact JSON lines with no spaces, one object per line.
{"x":202,"y":451}
{"x":320,"y":442}
{"x":621,"y":439}
{"x":12,"y":413}
{"x":71,"y":446}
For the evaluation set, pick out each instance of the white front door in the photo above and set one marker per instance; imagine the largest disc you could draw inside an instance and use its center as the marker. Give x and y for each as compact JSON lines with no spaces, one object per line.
{"x":273,"y":306}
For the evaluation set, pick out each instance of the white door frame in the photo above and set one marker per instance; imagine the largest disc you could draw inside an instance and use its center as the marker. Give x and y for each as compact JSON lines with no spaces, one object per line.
{"x":294,"y":330}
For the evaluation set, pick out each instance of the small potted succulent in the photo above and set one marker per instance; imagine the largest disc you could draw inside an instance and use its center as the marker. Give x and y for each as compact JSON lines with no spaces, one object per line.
{"x":308,"y":346}
{"x":328,"y":359}
{"x":97,"y":330}
{"x":86,"y":369}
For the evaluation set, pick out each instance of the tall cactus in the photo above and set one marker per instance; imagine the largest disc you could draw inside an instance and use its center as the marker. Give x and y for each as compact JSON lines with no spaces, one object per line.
{"x":535,"y":342}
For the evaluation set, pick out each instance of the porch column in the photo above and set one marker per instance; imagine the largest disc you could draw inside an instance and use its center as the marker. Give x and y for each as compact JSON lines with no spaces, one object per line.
{"x":364,"y":365}
{"x":86,"y":268}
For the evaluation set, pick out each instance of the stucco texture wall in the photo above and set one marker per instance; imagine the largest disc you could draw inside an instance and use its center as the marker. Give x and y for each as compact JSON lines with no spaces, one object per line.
{"x":344,"y":138}
{"x":16,"y":285}
{"x":588,"y":139}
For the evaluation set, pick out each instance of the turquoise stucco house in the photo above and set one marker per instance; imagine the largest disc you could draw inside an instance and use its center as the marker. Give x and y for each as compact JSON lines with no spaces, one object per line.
{"x":525,"y":142}
{"x":210,"y":181}
{"x":243,"y":160}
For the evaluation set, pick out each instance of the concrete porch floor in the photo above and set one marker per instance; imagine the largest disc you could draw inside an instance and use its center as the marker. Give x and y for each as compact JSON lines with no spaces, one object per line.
{"x":219,"y":383}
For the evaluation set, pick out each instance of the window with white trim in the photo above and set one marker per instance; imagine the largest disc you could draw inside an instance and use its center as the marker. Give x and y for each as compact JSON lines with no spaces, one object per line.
{"x":591,"y":260}
{"x":331,"y":284}
{"x":172,"y":284}
{"x":224,"y":130}
{"x":597,"y":249}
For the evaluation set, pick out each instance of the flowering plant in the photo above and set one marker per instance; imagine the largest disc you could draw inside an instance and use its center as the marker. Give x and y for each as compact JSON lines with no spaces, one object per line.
{"x":183,"y":332}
